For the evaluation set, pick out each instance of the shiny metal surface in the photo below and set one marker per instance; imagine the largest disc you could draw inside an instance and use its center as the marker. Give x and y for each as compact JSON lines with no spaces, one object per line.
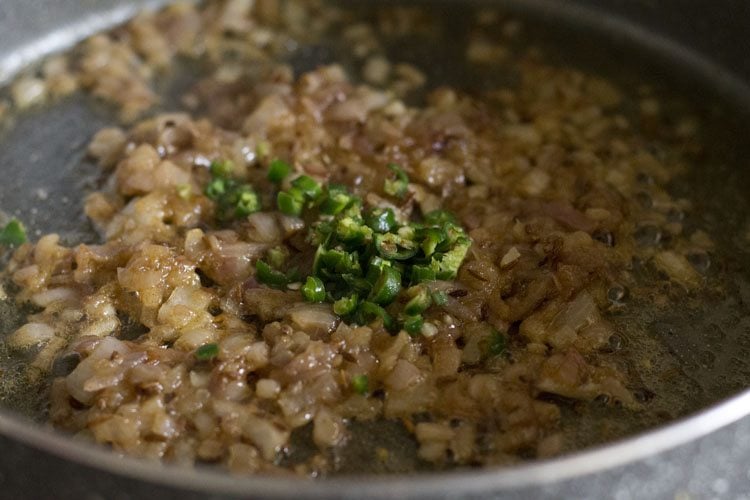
{"x":659,"y":463}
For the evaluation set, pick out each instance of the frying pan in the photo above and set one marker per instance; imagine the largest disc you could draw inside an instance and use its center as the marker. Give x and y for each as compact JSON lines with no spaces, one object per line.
{"x":699,"y":49}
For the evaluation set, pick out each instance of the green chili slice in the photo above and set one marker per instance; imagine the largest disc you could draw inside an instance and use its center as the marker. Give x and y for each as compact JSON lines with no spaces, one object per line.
{"x":278,"y":170}
{"x":432,"y":237}
{"x":394,"y":247}
{"x":370,"y":311}
{"x":247,"y":201}
{"x":13,"y":234}
{"x":497,"y":343}
{"x":336,"y":199}
{"x":400,"y":185}
{"x":381,"y":220}
{"x":216,"y":188}
{"x":207,"y":351}
{"x":346,"y":305}
{"x":288,"y":203}
{"x":420,"y":301}
{"x":221,"y":168}
{"x":309,"y":186}
{"x":386,"y":288}
{"x":314,"y":290}
{"x":413,"y":324}
{"x":353,"y":231}
{"x":439,"y":298}
{"x":361,"y":384}
{"x":269,"y":276}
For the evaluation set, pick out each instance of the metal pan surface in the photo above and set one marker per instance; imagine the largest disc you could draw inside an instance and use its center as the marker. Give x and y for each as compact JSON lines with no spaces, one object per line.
{"x":681,"y":457}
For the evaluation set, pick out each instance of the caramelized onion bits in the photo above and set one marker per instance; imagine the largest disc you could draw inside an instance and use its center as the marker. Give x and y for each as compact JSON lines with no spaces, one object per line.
{"x":496,"y":312}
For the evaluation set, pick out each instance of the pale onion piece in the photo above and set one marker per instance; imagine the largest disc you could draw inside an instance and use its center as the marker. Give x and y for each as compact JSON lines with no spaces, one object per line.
{"x":192,"y":339}
{"x":184,"y":307}
{"x":272,"y":111}
{"x":482,"y":51}
{"x":358,"y":106}
{"x":111,"y":372}
{"x":106,"y":145}
{"x":410,"y":74}
{"x":263,"y":227}
{"x":31,"y":334}
{"x":28,"y":91}
{"x":446,"y":360}
{"x":677,"y":268}
{"x":510,"y":257}
{"x":429,"y":330}
{"x":194,"y":244}
{"x":235,"y":345}
{"x":550,"y":445}
{"x":268,"y":437}
{"x":316,"y":319}
{"x":43,"y":361}
{"x":328,"y":429}
{"x":598,"y":214}
{"x":535,"y":182}
{"x":256,"y":356}
{"x":101,"y":328}
{"x":88,"y":368}
{"x":26,"y":273}
{"x":463,"y":442}
{"x":432,"y":451}
{"x":376,"y":70}
{"x":290,"y":224}
{"x":429,"y":431}
{"x":267,"y":388}
{"x":163,"y":425}
{"x":52,"y":295}
{"x":578,"y":314}
{"x":403,"y":376}
{"x":233,"y":390}
{"x":243,"y":458}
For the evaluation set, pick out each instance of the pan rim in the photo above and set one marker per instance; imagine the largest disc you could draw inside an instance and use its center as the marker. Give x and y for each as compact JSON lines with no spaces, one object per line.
{"x":578,"y":464}
{"x":425,"y":485}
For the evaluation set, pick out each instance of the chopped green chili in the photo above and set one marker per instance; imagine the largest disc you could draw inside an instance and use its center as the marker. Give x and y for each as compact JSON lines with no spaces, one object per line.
{"x":394,"y":247}
{"x":381,"y":220}
{"x":345,"y":305}
{"x":439,"y":298}
{"x":386,"y":288}
{"x":497,"y":343}
{"x":364,"y":257}
{"x":419,"y":302}
{"x":206,"y":352}
{"x":370,"y":311}
{"x":216,"y":188}
{"x":432,"y":237}
{"x":309,"y":186}
{"x":353,"y":231}
{"x":13,"y":234}
{"x":335,"y":200}
{"x":361,"y":384}
{"x":278,"y":170}
{"x":420,"y":274}
{"x":184,"y":191}
{"x":289,"y":204}
{"x":247,"y":201}
{"x":221,"y":168}
{"x":270,"y":276}
{"x":413,"y":324}
{"x":314,"y":290}
{"x":400,"y":185}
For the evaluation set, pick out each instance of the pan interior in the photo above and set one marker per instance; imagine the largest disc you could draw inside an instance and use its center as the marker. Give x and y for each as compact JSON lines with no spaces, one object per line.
{"x":699,"y":347}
